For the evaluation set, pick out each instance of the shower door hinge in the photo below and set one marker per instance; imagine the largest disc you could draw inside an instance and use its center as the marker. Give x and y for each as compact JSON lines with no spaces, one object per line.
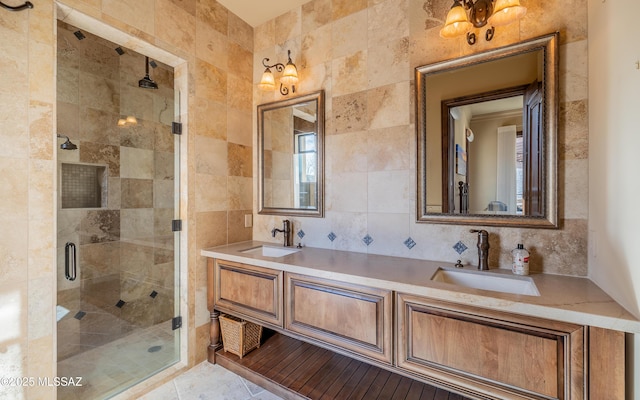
{"x":176,"y":225}
{"x":176,"y":128}
{"x":176,"y":323}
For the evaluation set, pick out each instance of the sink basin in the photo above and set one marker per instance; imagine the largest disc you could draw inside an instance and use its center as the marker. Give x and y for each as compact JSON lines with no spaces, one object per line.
{"x":487,"y":281}
{"x":269,"y":251}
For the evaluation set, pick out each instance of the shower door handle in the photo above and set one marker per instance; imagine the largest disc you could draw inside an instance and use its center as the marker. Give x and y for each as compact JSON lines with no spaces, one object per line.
{"x":70,"y":261}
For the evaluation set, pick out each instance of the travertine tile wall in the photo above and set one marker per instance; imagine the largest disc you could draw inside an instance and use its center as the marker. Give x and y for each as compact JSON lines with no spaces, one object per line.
{"x":217,"y":47}
{"x":363,"y":54}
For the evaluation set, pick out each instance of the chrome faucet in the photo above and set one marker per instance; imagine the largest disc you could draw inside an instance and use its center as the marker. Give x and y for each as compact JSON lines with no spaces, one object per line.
{"x":483,"y":249}
{"x":287,"y":231}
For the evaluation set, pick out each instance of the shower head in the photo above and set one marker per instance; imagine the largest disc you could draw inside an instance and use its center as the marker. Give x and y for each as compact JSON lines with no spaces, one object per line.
{"x":146,"y":82}
{"x":67,"y":145}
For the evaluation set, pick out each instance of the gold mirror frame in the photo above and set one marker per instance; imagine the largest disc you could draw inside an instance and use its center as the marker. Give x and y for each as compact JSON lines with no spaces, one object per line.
{"x":548,"y":45}
{"x":318,"y":211}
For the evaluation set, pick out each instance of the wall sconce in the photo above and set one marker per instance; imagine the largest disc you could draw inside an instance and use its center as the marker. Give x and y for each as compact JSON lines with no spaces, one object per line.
{"x":468,"y":14}
{"x":289,"y":76}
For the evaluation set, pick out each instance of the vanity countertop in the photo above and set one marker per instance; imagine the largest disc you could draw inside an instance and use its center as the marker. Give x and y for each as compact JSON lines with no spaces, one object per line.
{"x":570,"y":299}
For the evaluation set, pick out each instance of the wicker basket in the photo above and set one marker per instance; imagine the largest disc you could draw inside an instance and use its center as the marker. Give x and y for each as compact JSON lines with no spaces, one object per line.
{"x":238,"y":336}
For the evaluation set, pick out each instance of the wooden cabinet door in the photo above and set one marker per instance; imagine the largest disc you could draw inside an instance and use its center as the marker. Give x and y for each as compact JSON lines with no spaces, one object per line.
{"x":494,"y":353}
{"x":353,"y":317}
{"x":250,"y":291}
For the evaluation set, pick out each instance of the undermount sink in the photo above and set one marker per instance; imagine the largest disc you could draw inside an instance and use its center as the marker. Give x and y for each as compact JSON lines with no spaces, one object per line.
{"x":487,"y":281}
{"x":269,"y":251}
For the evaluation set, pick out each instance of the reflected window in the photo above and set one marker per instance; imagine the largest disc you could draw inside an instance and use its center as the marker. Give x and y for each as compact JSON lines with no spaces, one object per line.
{"x":305,"y":162}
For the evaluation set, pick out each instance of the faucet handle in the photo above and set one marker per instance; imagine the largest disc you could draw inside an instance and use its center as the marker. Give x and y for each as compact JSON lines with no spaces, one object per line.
{"x":483,"y":235}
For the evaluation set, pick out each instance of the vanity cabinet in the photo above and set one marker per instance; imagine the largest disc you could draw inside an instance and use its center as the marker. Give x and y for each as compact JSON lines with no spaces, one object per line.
{"x":473,"y":351}
{"x":353,"y":317}
{"x":248,"y":290}
{"x":504,"y":355}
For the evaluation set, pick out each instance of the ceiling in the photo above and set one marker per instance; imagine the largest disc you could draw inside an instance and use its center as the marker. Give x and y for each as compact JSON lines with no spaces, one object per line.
{"x":257,"y":12}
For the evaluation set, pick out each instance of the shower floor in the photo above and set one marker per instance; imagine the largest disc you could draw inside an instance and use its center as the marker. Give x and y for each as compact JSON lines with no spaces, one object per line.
{"x":117,"y":365}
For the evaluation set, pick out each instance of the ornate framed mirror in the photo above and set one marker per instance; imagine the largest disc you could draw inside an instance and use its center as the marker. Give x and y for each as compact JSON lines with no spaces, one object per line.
{"x":487,"y":137}
{"x":291,"y":155}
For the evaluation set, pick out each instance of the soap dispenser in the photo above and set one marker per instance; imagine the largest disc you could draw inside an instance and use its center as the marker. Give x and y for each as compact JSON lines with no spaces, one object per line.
{"x":520,"y":264}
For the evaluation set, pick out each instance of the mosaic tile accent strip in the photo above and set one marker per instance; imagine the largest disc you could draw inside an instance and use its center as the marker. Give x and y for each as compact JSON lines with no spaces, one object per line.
{"x":367,"y":240}
{"x":460,"y":247}
{"x":332,"y":236}
{"x":301,"y":233}
{"x":120,"y":303}
{"x":410,"y":243}
{"x":153,"y":294}
{"x":79,"y":315}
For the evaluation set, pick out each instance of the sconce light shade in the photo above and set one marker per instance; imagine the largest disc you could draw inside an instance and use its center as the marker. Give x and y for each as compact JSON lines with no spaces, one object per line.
{"x":456,"y":23}
{"x":469,"y":134}
{"x":268,"y":82}
{"x":506,"y":12}
{"x":290,"y":74}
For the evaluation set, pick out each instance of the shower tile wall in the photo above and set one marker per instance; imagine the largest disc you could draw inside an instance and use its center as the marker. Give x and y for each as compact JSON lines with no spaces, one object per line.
{"x":125,"y":249}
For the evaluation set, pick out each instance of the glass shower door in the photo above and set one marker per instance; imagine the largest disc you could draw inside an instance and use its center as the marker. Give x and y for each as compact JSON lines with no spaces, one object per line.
{"x":118,"y":191}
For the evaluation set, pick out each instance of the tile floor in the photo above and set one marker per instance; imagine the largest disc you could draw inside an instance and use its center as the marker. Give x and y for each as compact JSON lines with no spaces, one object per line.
{"x":121,"y":363}
{"x":206,"y":381}
{"x":95,"y":327}
{"x":128,"y":360}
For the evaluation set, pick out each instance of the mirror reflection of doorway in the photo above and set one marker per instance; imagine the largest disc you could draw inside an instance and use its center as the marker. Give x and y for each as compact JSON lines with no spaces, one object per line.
{"x":498,"y":133}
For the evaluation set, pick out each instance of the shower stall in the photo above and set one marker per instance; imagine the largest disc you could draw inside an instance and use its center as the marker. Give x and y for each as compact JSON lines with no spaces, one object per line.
{"x":117,"y":268}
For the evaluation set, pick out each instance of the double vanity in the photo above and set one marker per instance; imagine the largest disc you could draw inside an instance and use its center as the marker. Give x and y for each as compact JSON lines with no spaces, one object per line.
{"x":485,"y":334}
{"x":482,"y":334}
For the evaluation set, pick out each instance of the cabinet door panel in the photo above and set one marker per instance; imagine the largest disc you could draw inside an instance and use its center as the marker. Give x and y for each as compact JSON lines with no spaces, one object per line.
{"x":514,"y":358}
{"x":354,"y":317}
{"x":249,"y":290}
{"x":344,"y":313}
{"x":496,"y":353}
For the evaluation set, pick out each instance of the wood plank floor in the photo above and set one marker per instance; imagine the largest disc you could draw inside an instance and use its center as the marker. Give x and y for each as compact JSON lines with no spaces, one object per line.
{"x":296,"y":370}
